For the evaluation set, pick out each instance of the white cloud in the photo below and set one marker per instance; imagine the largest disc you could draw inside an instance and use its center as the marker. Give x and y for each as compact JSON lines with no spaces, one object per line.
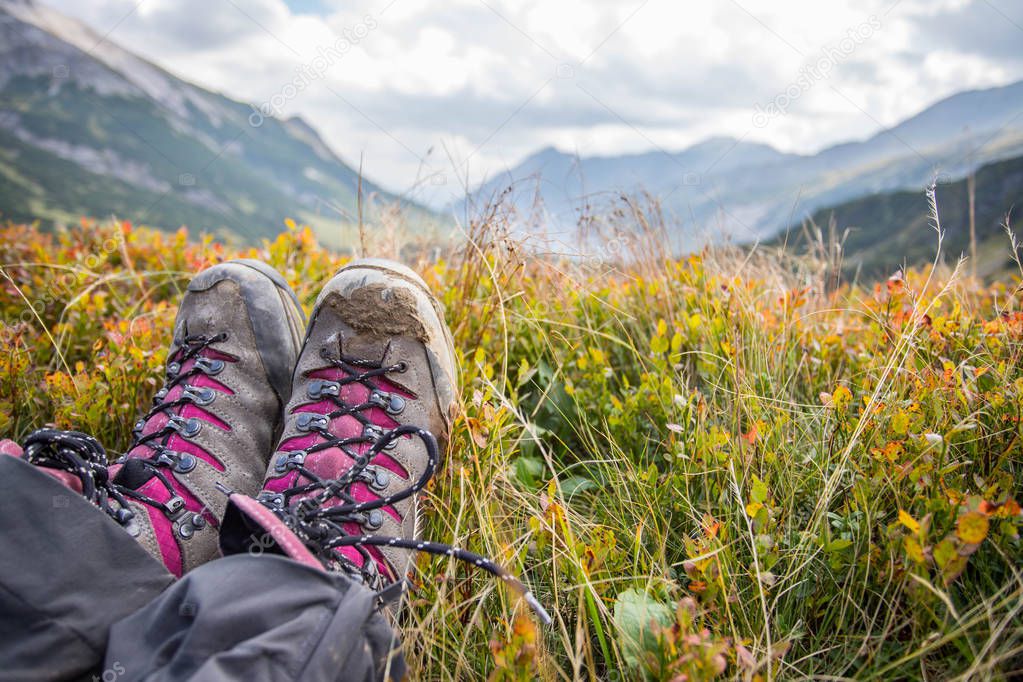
{"x":493,"y":80}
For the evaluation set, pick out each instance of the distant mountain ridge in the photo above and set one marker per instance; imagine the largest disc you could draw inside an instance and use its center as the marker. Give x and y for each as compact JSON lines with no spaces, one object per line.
{"x":881,"y":232}
{"x":746,"y":191}
{"x":87,"y":128}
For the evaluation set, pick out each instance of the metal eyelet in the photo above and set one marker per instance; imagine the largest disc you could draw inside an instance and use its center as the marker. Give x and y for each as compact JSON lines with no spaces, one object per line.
{"x":188,"y":428}
{"x":397,"y":404}
{"x":186,"y":531}
{"x":185,"y":463}
{"x":210,"y":367}
{"x":374,"y":519}
{"x":199,"y":521}
{"x":167,"y":458}
{"x":381,"y":478}
{"x":308,"y":421}
{"x":199,"y":396}
{"x":174,"y":505}
{"x":320,"y":387}
{"x":271,"y":500}
{"x":289,"y":460}
{"x":161,"y":394}
{"x":173,"y":368}
{"x":375,"y":433}
{"x":389,"y":402}
{"x":180,"y":462}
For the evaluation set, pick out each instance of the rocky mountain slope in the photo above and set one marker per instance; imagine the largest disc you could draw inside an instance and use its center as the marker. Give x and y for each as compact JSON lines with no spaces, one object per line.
{"x":727,"y":187}
{"x":87,"y":128}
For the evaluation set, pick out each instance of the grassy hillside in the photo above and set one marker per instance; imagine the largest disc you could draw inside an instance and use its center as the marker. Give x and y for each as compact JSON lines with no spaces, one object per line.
{"x":882,"y":231}
{"x":79,"y":153}
{"x":709,"y":467}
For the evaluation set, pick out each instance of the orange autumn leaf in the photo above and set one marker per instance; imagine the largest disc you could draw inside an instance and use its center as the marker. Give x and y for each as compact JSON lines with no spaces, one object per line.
{"x":751,"y":435}
{"x":1004,"y":510}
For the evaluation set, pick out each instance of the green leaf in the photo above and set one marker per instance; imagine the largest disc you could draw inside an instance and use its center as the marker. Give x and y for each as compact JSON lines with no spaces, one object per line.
{"x":524,"y":374}
{"x":838,"y":545}
{"x":528,"y":471}
{"x":953,"y":569}
{"x":577,"y":484}
{"x":759,"y":492}
{"x":987,"y":382}
{"x":659,"y":344}
{"x":634,"y":613}
{"x":944,"y":552}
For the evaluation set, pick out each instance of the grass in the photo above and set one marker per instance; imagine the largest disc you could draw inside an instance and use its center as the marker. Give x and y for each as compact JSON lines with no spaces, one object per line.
{"x":714,"y":466}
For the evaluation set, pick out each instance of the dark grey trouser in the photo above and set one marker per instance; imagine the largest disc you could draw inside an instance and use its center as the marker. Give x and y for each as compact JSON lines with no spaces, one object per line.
{"x":80,"y":599}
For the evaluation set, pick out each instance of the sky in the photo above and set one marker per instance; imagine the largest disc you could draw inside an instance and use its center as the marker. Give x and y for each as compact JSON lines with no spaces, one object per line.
{"x":432,"y":95}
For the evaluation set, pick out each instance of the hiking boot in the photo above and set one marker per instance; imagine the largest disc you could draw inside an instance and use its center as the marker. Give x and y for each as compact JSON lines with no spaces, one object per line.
{"x":214,"y":422}
{"x":377,"y":368}
{"x":365,"y":430}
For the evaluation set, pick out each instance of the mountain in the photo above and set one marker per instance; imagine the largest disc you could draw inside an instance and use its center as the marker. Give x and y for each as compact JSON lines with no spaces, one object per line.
{"x":87,"y":128}
{"x":725,"y":187}
{"x":882,"y":231}
{"x":636,"y":170}
{"x":564,"y":183}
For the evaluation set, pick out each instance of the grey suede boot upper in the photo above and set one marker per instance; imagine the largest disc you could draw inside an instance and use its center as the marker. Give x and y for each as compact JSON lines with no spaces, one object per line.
{"x":236,"y":340}
{"x":377,"y":357}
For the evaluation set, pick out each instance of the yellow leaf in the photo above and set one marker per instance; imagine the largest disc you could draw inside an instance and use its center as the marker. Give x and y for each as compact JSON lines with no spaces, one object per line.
{"x":909,"y":522}
{"x":290,"y":223}
{"x":759,"y":492}
{"x":752,"y":508}
{"x":841,"y":398}
{"x":913,"y":549}
{"x":900,"y":423}
{"x":662,"y":327}
{"x":972,"y":527}
{"x":676,"y":342}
